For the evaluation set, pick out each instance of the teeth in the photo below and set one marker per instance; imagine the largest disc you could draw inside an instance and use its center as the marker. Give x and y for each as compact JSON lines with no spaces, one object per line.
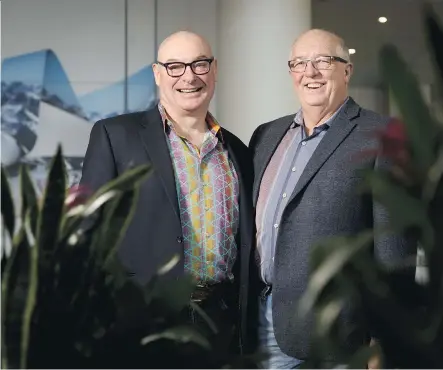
{"x":314,"y":86}
{"x":189,"y":90}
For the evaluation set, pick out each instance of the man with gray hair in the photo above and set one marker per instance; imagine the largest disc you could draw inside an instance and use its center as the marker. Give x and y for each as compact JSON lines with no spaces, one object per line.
{"x":305,"y":190}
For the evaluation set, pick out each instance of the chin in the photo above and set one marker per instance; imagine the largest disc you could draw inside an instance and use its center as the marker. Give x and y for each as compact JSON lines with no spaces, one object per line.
{"x":316,"y":101}
{"x":191,"y":106}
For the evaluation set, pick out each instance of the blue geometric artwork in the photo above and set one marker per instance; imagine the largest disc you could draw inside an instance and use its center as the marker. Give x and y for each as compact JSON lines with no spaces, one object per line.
{"x":40,"y":109}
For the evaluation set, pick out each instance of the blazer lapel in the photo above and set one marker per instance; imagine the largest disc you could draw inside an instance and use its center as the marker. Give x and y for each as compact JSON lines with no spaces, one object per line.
{"x":276,"y":133}
{"x":340,"y":128}
{"x":154,"y":140}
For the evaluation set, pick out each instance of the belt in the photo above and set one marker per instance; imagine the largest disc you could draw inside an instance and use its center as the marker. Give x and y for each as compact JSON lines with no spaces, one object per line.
{"x":203,"y":291}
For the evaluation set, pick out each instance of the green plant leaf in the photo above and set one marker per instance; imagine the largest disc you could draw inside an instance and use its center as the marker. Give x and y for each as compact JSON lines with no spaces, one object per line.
{"x":49,"y":220}
{"x":174,"y":294}
{"x":28,"y":197}
{"x":118,"y":215}
{"x":78,"y":216}
{"x":340,"y":250}
{"x":404,"y":210}
{"x":204,"y":316}
{"x":7,"y":206}
{"x":31,"y":296}
{"x":126,"y":181}
{"x":420,"y":125}
{"x":182,"y":334}
{"x":15,"y":284}
{"x":435,"y":38}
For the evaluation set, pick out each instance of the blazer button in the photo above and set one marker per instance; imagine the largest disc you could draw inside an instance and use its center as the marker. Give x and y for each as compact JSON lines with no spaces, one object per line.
{"x":179,"y":239}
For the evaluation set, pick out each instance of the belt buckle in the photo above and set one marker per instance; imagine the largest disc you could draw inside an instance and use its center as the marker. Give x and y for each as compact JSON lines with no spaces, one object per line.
{"x":198,"y":295}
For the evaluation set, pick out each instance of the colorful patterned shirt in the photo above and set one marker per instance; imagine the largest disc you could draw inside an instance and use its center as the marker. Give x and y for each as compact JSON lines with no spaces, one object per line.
{"x":208,"y":190}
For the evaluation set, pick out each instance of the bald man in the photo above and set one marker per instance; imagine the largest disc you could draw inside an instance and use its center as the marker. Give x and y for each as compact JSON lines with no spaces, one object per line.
{"x":305,"y":189}
{"x":197,"y":203}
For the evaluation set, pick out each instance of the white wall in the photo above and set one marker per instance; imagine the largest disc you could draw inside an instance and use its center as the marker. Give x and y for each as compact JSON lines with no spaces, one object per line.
{"x":254,"y":40}
{"x":372,"y":98}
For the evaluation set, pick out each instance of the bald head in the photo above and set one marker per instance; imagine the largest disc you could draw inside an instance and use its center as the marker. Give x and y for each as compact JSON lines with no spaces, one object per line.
{"x":186,"y":73}
{"x":323,"y":37}
{"x":173,"y":46}
{"x":321,"y":71}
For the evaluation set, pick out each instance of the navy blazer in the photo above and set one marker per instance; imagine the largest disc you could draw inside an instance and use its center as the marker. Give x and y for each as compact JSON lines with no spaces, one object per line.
{"x":155,"y":234}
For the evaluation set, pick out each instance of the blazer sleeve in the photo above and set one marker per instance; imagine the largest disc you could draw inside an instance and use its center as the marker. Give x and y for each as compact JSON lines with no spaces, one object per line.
{"x":99,"y":164}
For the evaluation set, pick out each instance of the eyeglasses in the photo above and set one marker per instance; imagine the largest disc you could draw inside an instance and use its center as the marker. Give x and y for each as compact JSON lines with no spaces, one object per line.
{"x":177,"y":69}
{"x":319,"y":63}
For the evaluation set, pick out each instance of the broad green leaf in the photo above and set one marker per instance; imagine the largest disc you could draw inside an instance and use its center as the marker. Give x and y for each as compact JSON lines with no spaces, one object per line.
{"x":15,"y":285}
{"x":52,"y":205}
{"x":78,"y":215}
{"x":31,"y":297}
{"x":28,"y":196}
{"x":181,"y":334}
{"x":404,"y":210}
{"x":117,"y":217}
{"x":7,"y":206}
{"x":174,"y":294}
{"x":435,"y":39}
{"x":126,"y":181}
{"x":341,"y":251}
{"x":327,"y":314}
{"x":49,"y":220}
{"x":204,"y":316}
{"x":420,"y":125}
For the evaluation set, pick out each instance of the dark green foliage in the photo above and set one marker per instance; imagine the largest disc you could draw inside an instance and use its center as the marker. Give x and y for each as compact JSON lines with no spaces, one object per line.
{"x":406,"y":317}
{"x":66,"y":300}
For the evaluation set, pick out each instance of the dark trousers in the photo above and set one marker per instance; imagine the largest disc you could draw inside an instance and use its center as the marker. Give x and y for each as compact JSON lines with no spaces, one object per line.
{"x":219,"y":303}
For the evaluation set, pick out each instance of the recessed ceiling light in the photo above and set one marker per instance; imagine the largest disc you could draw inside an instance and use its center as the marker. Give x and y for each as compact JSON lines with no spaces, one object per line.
{"x":351,"y":51}
{"x":382,"y":19}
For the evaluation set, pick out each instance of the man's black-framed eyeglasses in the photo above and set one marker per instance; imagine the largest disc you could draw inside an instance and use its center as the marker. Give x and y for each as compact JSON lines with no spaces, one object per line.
{"x":177,"y":69}
{"x":320,"y":63}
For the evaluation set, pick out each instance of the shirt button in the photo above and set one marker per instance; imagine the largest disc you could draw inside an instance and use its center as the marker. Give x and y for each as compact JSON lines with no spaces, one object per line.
{"x":275,"y":226}
{"x":303,"y":143}
{"x":284,"y":195}
{"x":179,"y":239}
{"x":293,"y":169}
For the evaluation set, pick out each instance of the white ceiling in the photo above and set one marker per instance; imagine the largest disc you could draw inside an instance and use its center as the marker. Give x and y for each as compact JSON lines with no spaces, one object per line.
{"x":356,"y":21}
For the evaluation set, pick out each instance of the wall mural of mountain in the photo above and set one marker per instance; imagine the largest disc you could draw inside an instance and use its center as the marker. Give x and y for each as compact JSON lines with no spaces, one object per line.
{"x":40,"y":109}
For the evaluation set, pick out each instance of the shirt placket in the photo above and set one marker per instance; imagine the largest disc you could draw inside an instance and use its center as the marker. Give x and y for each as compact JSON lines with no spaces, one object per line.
{"x":207,"y":244}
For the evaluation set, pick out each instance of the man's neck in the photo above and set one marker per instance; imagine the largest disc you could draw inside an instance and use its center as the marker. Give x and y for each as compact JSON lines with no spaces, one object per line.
{"x":315,"y":116}
{"x":192,"y":127}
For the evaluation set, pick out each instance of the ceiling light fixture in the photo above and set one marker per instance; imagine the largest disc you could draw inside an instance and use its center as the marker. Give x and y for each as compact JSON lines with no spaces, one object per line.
{"x":382,"y":19}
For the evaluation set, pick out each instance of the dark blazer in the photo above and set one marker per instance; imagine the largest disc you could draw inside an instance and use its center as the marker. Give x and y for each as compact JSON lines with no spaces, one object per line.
{"x":155,"y":234}
{"x":325,"y":202}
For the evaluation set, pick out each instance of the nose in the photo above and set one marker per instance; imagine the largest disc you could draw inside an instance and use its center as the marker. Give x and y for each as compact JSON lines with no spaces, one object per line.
{"x":189,"y":75}
{"x":310,"y":70}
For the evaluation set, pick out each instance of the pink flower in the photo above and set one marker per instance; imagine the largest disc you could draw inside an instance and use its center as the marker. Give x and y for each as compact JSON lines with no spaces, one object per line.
{"x":394,"y":143}
{"x":77,"y":195}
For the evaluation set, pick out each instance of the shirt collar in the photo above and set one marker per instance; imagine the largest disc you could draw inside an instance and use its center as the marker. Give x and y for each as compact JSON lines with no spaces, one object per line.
{"x":212,"y":123}
{"x":298,"y":119}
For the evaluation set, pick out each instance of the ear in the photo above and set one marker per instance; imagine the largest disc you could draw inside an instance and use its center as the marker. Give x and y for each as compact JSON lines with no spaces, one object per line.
{"x":156,"y":70}
{"x":348,"y":71}
{"x":215,"y":69}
